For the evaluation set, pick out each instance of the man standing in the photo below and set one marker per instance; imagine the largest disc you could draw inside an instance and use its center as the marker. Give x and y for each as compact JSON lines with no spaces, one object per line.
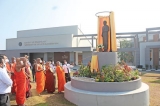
{"x":21,"y":63}
{"x":40,"y":77}
{"x":105,"y":30}
{"x":5,"y":85}
{"x":61,"y":77}
{"x":66,"y":68}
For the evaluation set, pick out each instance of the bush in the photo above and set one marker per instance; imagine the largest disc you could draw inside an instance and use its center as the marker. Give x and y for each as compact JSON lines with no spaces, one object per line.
{"x":118,"y":73}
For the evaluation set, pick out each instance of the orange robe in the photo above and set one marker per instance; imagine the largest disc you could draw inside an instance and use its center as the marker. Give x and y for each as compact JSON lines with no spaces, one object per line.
{"x":50,"y":81}
{"x":61,"y":78}
{"x":13,"y":77}
{"x":21,"y":87}
{"x":8,"y":67}
{"x":40,"y":79}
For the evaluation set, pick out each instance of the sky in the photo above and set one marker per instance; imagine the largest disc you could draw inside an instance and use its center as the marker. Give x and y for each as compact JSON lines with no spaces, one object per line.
{"x":130,"y":15}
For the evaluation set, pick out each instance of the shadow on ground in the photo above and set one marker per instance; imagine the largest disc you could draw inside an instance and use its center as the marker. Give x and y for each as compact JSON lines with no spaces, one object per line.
{"x":156,"y":81}
{"x":56,"y":100}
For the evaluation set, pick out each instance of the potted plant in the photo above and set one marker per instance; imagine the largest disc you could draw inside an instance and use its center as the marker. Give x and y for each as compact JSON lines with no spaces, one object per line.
{"x":146,"y":66}
{"x":100,"y":47}
{"x":156,"y":67}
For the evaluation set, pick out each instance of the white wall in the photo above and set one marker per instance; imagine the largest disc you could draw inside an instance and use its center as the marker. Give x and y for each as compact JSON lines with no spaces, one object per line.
{"x":65,"y":30}
{"x":40,"y":42}
{"x":142,"y":50}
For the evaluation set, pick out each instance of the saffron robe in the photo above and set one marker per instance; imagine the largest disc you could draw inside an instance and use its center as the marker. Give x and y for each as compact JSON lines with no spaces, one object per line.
{"x":50,"y":81}
{"x":13,"y":77}
{"x":21,"y":87}
{"x":8,"y":67}
{"x":61,"y":78}
{"x":28,"y":85}
{"x":40,"y":79}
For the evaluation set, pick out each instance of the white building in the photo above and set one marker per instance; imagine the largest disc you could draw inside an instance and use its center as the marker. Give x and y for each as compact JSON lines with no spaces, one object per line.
{"x":55,"y":43}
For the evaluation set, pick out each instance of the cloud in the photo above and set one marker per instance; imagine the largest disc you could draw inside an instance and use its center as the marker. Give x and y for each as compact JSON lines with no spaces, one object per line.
{"x":54,"y":7}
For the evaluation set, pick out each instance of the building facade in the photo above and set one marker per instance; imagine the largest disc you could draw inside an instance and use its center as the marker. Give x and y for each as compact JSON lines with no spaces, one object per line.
{"x":55,"y":43}
{"x":69,"y":43}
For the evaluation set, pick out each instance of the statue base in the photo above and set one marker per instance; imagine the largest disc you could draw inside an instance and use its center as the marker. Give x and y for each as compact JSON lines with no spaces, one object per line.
{"x":106,"y":58}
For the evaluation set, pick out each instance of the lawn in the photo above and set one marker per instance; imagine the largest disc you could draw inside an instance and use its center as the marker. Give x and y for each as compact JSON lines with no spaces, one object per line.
{"x":151,"y":78}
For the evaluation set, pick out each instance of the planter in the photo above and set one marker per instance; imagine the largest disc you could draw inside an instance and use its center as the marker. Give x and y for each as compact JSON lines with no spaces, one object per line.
{"x":89,"y":85}
{"x":100,"y":49}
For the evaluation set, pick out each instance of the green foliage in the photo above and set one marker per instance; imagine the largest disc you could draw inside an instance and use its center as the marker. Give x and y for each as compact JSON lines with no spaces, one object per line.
{"x":84,"y":71}
{"x":100,"y":46}
{"x":126,"y":56}
{"x":118,"y":73}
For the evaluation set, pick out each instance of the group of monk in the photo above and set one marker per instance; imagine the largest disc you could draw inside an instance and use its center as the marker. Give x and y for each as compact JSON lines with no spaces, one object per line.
{"x":19,"y":71}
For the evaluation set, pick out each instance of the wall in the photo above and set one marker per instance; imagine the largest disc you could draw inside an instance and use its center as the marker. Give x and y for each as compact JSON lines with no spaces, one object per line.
{"x":50,"y":56}
{"x":65,"y":30}
{"x":71,"y":57}
{"x":39,"y":42}
{"x":142,"y":50}
{"x":86,"y":57}
{"x":10,"y":54}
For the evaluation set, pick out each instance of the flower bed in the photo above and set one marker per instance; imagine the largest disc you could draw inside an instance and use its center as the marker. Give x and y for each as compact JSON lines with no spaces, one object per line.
{"x":119,"y":73}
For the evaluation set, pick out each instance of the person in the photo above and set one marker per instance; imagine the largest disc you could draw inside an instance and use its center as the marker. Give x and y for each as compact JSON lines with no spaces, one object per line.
{"x":52,"y":65}
{"x":28,"y":85}
{"x":5,"y":85}
{"x":13,"y":76}
{"x":105,"y":30}
{"x":61,"y":77}
{"x":40,"y":76}
{"x":34,"y":70}
{"x":7,"y":65}
{"x":21,"y":63}
{"x":66,"y":68}
{"x":50,"y":79}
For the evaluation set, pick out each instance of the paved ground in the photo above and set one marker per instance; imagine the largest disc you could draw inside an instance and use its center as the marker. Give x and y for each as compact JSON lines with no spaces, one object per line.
{"x":151,"y":78}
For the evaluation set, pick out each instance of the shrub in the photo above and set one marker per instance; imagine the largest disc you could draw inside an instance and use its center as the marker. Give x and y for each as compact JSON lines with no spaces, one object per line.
{"x":118,"y":73}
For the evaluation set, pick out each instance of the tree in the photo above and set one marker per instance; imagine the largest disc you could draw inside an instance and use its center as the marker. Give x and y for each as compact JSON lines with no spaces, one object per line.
{"x":126,"y":56}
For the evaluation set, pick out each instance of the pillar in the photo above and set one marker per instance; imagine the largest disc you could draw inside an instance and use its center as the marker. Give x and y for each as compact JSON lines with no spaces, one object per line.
{"x":76,"y":56}
{"x":45,"y":57}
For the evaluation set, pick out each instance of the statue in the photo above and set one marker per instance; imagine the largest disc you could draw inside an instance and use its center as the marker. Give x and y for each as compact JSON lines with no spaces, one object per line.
{"x":105,"y":30}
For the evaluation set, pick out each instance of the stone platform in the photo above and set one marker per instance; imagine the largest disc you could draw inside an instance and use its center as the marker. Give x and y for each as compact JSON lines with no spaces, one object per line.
{"x":139,"y":97}
{"x":136,"y":97}
{"x":106,"y":58}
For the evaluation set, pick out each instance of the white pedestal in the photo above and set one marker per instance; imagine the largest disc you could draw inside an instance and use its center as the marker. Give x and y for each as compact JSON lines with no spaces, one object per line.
{"x":106,"y":58}
{"x":138,"y":97}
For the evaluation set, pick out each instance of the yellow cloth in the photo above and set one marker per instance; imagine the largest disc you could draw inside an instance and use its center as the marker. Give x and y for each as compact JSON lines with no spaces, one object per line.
{"x":113,"y":33}
{"x":94,"y":63}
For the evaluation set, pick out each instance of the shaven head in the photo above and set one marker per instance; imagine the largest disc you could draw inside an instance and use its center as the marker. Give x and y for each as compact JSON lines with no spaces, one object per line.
{"x":38,"y":60}
{"x":58,"y":63}
{"x":13,"y":59}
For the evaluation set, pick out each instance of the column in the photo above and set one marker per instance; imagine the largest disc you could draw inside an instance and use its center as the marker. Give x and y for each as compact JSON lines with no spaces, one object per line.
{"x":76,"y":53}
{"x":45,"y":57}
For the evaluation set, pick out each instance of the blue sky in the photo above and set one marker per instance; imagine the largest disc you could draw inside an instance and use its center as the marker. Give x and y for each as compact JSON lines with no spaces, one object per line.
{"x":130,"y":15}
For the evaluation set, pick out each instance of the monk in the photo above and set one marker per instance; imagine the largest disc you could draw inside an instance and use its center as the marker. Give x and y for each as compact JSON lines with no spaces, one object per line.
{"x":28,"y":77}
{"x":13,"y":76}
{"x":50,"y":86}
{"x":61,"y":77}
{"x":21,"y":63}
{"x":7,"y":65}
{"x":40,"y":76}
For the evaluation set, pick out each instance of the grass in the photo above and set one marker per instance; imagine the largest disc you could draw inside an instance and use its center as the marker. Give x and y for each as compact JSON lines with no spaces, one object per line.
{"x":150,"y":78}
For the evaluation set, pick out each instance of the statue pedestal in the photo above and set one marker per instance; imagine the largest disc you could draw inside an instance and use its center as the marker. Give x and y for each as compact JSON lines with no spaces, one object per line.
{"x":106,"y":58}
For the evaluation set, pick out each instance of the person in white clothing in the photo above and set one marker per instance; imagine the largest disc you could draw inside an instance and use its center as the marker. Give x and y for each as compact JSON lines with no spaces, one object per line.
{"x":66,"y":68}
{"x":5,"y":85}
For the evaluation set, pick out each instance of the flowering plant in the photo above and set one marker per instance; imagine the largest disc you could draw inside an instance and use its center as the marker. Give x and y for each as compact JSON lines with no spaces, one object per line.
{"x":100,"y":46}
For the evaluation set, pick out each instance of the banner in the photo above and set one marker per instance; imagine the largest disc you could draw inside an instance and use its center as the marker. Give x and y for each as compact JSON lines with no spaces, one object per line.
{"x":94,"y":63}
{"x":112,"y":44}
